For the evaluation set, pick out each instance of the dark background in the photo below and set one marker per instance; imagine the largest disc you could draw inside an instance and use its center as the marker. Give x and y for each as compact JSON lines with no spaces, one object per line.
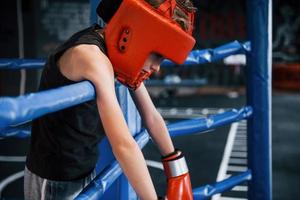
{"x":47,"y":23}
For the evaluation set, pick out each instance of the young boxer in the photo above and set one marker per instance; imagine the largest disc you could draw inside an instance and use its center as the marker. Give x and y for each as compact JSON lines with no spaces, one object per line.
{"x":138,"y":36}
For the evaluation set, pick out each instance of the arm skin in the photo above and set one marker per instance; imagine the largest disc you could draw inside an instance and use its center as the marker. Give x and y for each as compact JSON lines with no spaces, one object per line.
{"x":153,"y":120}
{"x":87,"y":62}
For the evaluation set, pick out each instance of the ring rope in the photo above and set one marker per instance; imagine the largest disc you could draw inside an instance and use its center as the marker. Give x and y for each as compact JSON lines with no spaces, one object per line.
{"x":194,"y":58}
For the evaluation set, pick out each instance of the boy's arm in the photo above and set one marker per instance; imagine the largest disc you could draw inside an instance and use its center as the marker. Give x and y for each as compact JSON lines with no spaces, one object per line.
{"x":87,"y":62}
{"x":153,"y":120}
{"x":176,"y":170}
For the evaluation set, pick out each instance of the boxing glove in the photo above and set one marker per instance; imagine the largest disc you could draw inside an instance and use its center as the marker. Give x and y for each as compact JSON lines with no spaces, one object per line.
{"x":178,"y":179}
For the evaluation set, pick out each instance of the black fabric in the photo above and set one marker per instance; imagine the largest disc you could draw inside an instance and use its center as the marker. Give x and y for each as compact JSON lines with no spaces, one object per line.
{"x":107,"y":8}
{"x":64,"y":143}
{"x":170,"y":154}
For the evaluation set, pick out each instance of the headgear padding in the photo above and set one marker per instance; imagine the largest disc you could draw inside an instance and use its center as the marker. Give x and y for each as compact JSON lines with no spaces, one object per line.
{"x":136,"y":30}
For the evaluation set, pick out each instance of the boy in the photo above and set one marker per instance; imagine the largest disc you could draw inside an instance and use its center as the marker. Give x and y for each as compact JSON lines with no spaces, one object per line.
{"x":63,"y":150}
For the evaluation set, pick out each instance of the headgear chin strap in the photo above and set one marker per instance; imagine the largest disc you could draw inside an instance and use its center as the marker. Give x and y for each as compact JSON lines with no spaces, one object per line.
{"x":137,"y":29}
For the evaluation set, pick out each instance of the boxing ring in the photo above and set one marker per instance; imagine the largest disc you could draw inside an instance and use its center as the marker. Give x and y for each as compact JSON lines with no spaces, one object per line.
{"x":111,"y":183}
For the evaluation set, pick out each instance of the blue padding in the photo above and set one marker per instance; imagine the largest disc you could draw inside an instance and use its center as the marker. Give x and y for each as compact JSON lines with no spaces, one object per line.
{"x":212,"y":55}
{"x":205,"y":192}
{"x":21,"y":109}
{"x":195,"y":57}
{"x":203,"y":124}
{"x":259,"y":96}
{"x":96,"y":189}
{"x":22,"y":63}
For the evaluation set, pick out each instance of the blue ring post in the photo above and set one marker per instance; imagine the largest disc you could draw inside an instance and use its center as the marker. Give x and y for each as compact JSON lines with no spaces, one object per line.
{"x":259,"y":63}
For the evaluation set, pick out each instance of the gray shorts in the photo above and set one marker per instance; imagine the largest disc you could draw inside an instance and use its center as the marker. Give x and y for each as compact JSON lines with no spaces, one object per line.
{"x":37,"y":188}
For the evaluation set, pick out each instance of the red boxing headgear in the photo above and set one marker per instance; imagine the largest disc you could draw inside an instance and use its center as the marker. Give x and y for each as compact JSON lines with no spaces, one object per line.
{"x":137,"y":29}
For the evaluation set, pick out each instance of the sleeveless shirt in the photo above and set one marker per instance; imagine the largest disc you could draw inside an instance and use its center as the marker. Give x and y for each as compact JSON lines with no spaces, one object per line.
{"x":64,"y":144}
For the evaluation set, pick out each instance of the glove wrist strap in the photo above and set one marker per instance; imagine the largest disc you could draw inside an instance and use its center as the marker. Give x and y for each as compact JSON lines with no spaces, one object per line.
{"x":176,"y":167}
{"x":170,"y":155}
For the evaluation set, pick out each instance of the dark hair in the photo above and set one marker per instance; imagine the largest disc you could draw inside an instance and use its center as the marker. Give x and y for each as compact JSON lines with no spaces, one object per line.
{"x":107,"y":8}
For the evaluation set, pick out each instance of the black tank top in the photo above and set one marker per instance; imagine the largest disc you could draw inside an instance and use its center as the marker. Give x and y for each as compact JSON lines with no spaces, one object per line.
{"x":64,"y":144}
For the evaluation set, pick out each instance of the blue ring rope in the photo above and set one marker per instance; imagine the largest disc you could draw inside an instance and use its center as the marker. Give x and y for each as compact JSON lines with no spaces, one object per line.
{"x":14,"y":111}
{"x":175,"y":129}
{"x":194,"y":58}
{"x":207,"y":191}
{"x":96,"y":189}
